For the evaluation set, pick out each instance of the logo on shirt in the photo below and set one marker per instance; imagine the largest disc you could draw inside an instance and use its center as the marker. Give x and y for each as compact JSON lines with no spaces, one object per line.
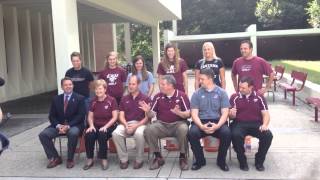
{"x":106,"y":107}
{"x":255,"y":100}
{"x":246,"y":68}
{"x":215,"y":96}
{"x":209,"y":66}
{"x":112,"y":79}
{"x":171,"y":69}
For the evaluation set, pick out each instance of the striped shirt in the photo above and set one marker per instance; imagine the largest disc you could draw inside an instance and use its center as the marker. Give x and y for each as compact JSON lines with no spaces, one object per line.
{"x":248,"y":107}
{"x":163,"y":104}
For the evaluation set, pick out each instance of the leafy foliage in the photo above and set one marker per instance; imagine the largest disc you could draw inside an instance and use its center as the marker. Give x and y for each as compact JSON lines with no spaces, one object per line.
{"x":313,"y":10}
{"x":282,"y":14}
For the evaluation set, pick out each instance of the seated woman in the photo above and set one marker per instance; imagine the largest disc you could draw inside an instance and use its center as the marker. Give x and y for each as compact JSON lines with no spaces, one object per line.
{"x":103,"y":114}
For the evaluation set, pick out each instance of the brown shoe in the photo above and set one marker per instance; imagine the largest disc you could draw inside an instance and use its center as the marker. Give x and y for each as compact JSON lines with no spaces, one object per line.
{"x":54,"y":162}
{"x":124,"y":165}
{"x":137,"y":165}
{"x":183,"y":162}
{"x":156,"y":163}
{"x":70,"y":164}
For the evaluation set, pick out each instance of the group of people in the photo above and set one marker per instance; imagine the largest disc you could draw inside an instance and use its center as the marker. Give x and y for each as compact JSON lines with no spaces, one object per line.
{"x":123,"y":107}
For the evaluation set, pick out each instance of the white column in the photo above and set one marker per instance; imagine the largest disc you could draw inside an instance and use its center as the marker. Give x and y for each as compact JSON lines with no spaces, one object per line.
{"x":91,"y":59}
{"x":3,"y":63}
{"x":252,"y":29}
{"x":12,"y":49}
{"x":86,"y":45}
{"x":27,"y":68}
{"x":81,"y":41}
{"x":38,"y":54}
{"x":114,"y":37}
{"x":48,"y":47}
{"x":167,"y":36}
{"x":127,"y":41}
{"x":175,"y":27}
{"x":66,"y":34}
{"x":155,"y":47}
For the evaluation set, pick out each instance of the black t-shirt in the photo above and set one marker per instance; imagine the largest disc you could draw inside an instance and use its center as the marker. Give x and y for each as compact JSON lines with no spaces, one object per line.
{"x":215,"y":65}
{"x":81,"y":79}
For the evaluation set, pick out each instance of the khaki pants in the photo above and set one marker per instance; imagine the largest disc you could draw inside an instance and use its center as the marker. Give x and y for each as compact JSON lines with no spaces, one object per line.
{"x":119,"y":136}
{"x":159,"y":129}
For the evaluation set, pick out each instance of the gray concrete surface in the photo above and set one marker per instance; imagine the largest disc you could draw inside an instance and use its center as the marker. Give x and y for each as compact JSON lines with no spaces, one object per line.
{"x":294,"y":153}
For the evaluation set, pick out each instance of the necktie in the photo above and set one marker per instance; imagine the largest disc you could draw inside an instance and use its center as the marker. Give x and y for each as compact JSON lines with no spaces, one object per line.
{"x":65,"y":103}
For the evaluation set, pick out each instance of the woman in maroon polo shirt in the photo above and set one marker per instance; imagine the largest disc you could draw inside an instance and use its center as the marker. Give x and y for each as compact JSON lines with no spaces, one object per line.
{"x":172,"y":64}
{"x":114,"y":75}
{"x":103,"y":114}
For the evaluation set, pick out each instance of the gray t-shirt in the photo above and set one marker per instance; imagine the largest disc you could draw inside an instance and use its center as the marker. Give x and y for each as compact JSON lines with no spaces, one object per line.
{"x":210,"y":103}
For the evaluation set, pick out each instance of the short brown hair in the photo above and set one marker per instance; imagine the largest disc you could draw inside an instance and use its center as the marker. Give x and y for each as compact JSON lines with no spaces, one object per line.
{"x":75,"y":54}
{"x":65,"y":79}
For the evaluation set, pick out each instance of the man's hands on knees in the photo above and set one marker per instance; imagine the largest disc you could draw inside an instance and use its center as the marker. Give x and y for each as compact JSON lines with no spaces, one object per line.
{"x":209,"y":127}
{"x":263,"y":128}
{"x":63,"y":129}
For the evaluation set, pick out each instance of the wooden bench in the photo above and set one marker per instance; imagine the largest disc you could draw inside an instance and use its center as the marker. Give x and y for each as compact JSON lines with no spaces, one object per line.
{"x":279,"y":71}
{"x":294,"y":87}
{"x":316,"y":103}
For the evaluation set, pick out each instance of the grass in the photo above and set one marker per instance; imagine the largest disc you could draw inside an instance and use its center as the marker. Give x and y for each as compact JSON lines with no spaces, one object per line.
{"x":311,"y":67}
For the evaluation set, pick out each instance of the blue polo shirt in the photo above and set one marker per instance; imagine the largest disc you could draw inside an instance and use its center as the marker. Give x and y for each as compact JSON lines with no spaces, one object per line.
{"x":210,"y":103}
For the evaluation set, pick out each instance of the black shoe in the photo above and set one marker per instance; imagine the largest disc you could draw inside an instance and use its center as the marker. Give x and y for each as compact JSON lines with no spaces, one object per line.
{"x":196,"y":166}
{"x":259,"y":167}
{"x":244,"y":167}
{"x":223,"y":167}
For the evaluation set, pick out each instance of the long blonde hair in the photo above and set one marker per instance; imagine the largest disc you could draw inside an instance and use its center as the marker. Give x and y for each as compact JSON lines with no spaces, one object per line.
{"x":111,"y":53}
{"x":209,"y":44}
{"x":165,"y":60}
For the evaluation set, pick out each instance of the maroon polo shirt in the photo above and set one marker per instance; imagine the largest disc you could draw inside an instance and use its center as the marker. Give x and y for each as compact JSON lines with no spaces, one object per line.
{"x":248,"y":108}
{"x":115,"y":79}
{"x":130,"y":106}
{"x":102,"y":110}
{"x":254,"y":68}
{"x":178,"y":75}
{"x":162,"y":105}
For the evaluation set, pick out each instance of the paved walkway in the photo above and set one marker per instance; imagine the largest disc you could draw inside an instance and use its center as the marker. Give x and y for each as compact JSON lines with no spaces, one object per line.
{"x":294,"y":154}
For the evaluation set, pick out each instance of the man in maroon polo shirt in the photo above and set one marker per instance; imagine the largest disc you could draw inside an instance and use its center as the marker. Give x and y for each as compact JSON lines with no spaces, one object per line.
{"x":172,"y":108}
{"x":133,"y":120}
{"x":251,"y":117}
{"x":252,"y":66}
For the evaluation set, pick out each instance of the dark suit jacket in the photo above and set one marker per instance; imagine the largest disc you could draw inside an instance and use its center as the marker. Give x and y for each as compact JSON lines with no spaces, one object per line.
{"x":75,"y":112}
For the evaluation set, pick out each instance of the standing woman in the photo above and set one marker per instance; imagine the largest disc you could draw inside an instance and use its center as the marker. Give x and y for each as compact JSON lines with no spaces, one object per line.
{"x":114,"y":76}
{"x":103,"y":114}
{"x":140,"y":70}
{"x":210,"y":60}
{"x":172,"y":64}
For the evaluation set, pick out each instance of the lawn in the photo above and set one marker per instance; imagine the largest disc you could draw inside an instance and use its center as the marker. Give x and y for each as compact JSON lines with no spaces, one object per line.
{"x":311,"y":67}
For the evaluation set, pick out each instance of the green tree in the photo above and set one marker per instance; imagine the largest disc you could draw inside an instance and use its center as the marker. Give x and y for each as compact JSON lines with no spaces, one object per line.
{"x":216,"y":16}
{"x":313,"y":10}
{"x":282,"y":14}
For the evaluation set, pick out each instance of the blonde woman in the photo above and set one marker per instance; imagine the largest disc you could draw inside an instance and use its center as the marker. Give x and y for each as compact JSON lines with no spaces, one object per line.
{"x":114,"y":75}
{"x":212,"y":61}
{"x":172,"y":64}
{"x":102,"y":117}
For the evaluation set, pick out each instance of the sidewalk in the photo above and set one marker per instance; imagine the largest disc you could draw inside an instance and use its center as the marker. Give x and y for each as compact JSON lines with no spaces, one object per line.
{"x":294,"y":153}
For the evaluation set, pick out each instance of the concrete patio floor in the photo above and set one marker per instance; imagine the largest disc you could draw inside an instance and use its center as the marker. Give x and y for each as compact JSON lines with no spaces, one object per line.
{"x":294,"y":153}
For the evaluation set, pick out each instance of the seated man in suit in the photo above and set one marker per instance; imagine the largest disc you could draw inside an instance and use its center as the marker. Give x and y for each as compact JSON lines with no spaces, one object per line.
{"x":67,"y":115}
